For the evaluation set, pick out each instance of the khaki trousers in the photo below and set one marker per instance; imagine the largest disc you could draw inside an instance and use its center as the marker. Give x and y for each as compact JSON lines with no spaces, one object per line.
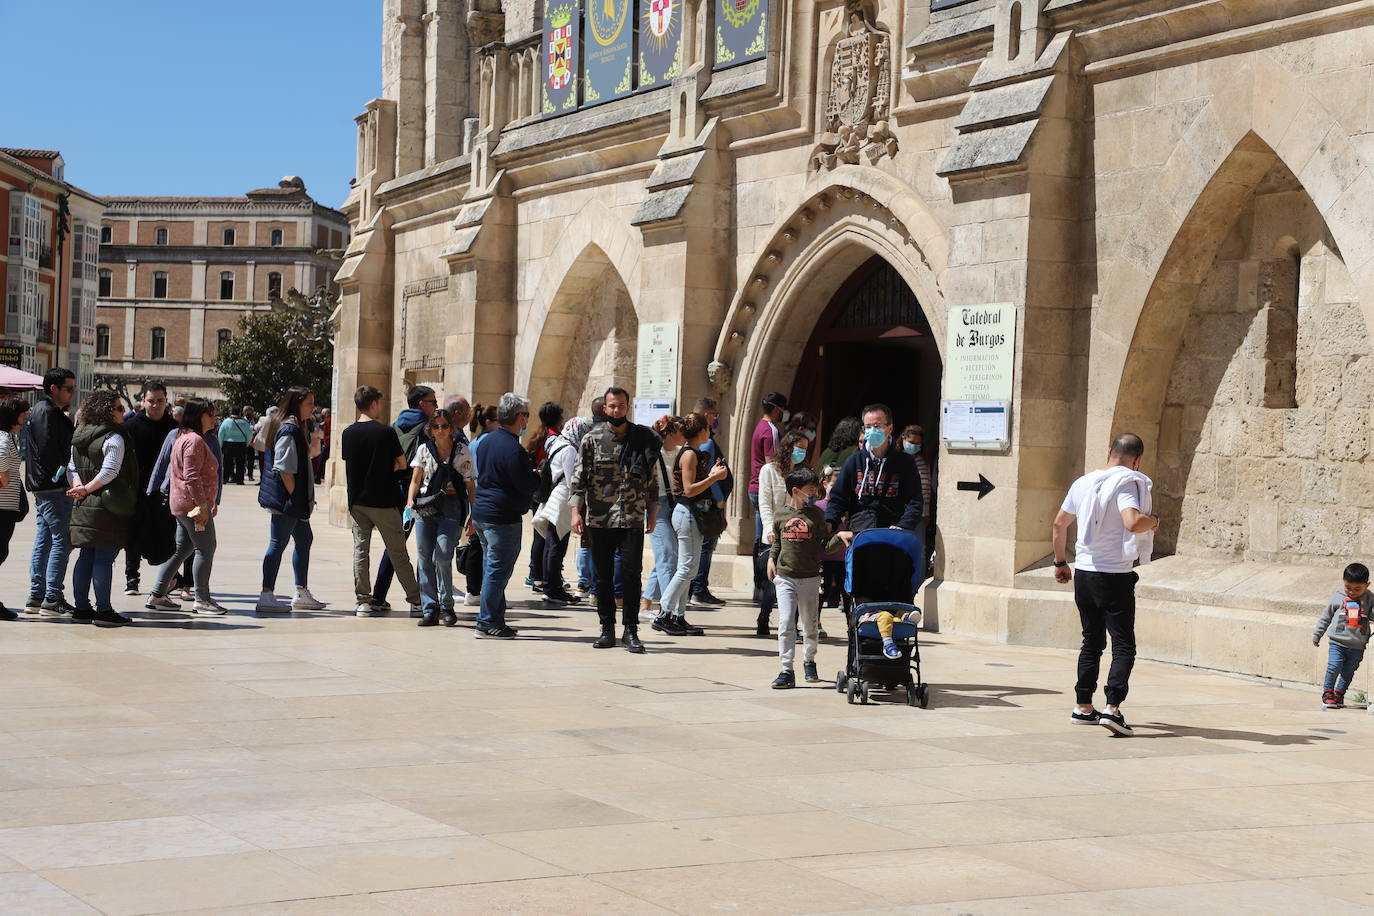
{"x":387,"y":523}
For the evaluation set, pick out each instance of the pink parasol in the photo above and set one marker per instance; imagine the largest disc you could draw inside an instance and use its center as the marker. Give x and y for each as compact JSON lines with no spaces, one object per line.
{"x":17,"y":379}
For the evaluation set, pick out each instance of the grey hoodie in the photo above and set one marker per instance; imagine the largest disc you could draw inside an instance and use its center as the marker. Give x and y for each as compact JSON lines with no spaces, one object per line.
{"x":1334,"y":617}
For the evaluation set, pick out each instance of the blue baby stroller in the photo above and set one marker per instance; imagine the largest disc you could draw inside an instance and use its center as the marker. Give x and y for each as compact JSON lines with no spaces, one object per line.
{"x":883,"y":569}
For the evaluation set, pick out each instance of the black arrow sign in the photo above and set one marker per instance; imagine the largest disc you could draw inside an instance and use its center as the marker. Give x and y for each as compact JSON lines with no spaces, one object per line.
{"x":982,"y":485}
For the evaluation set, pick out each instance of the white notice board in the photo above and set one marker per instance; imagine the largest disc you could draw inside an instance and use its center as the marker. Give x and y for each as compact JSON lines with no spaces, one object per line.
{"x":657,"y":360}
{"x":975,"y":424}
{"x":647,"y":410}
{"x":980,"y":359}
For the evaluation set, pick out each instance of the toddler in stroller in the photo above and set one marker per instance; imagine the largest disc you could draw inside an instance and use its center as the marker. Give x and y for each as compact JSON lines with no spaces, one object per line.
{"x":882,"y":572}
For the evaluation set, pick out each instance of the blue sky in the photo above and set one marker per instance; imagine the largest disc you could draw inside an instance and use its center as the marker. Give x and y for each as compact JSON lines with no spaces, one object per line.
{"x":192,"y":97}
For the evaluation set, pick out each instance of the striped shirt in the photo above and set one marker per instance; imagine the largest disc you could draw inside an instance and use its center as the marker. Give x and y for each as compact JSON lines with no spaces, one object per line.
{"x":12,"y":464}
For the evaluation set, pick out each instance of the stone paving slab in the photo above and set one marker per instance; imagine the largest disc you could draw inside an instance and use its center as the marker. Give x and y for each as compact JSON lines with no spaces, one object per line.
{"x":323,"y":763}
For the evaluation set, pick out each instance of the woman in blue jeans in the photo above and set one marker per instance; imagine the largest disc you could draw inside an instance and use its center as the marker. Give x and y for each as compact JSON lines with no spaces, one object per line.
{"x":441,"y":469}
{"x":664,"y":536}
{"x":103,"y":474}
{"x":288,"y":492}
{"x":690,"y":481}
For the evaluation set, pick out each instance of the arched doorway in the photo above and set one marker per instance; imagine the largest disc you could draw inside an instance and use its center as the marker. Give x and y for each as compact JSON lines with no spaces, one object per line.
{"x":872,"y":343}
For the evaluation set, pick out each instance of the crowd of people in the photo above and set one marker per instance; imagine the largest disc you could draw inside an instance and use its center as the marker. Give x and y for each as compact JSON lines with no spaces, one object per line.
{"x":466,"y":481}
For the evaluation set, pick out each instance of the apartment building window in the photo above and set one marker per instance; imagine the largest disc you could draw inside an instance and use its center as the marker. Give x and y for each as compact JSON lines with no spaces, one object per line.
{"x":226,"y":284}
{"x":78,"y":250}
{"x":102,"y":340}
{"x":224,"y":335}
{"x":106,"y":283}
{"x":106,"y":235}
{"x":274,"y":285}
{"x":228,"y":236}
{"x":159,"y":348}
{"x":160,"y":236}
{"x":160,"y":284}
{"x":277,"y":238}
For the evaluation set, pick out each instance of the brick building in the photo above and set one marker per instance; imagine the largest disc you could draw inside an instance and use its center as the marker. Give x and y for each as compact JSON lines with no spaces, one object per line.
{"x":49,"y":280}
{"x":177,"y":274}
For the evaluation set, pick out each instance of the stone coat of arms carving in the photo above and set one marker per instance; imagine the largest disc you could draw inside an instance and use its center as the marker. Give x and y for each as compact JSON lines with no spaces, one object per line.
{"x":857,"y":100}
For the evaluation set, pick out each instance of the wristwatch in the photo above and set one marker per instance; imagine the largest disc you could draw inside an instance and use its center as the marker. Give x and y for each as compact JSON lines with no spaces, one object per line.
{"x":1060,"y":564}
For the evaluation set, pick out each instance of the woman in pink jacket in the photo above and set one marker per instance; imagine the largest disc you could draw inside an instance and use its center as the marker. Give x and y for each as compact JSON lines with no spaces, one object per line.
{"x":192,"y":499}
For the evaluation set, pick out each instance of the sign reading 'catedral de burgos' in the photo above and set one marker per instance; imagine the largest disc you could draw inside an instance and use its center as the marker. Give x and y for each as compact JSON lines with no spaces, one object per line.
{"x":980,"y":355}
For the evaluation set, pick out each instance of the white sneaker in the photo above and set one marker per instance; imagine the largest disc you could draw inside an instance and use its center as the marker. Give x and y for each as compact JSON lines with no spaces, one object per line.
{"x":164,"y":603}
{"x":210,"y":608}
{"x":305,"y":601}
{"x":472,"y":600}
{"x":269,"y":603}
{"x":363,"y":610}
{"x":460,"y":597}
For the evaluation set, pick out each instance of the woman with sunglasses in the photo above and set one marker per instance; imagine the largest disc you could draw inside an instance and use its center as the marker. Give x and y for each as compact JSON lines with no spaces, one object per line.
{"x":438,"y":497}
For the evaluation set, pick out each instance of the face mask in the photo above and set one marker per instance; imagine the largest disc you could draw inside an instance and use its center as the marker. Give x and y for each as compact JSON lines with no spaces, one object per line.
{"x":786,"y":415}
{"x":810,"y":435}
{"x":875,"y":436}
{"x":798,"y":455}
{"x":809,"y":500}
{"x":715,"y":422}
{"x":911,"y":447}
{"x":617,"y":422}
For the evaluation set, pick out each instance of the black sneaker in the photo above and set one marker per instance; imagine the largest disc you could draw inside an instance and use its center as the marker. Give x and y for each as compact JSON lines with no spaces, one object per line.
{"x":687,"y":628}
{"x":666,"y":623}
{"x":1084,"y":718}
{"x":83,"y":614}
{"x":1115,"y":723}
{"x":7,"y":614}
{"x":784,"y":680}
{"x":58,"y":608}
{"x":131,"y":587}
{"x":706,"y":599}
{"x":502,"y":632}
{"x":448,"y":618}
{"x":809,"y":672}
{"x":380,"y":607}
{"x":110,"y":619}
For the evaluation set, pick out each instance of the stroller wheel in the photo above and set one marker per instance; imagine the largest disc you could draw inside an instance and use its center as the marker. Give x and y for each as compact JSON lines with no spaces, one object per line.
{"x":840,"y":680}
{"x":863,"y":693}
{"x":853,"y":689}
{"x":911,"y":695}
{"x":923,"y":695}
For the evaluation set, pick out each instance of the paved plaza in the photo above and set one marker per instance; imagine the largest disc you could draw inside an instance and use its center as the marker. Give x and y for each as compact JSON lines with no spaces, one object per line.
{"x":327,"y":764}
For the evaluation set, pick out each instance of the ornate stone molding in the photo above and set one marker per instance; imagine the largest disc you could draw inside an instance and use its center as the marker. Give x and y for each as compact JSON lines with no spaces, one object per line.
{"x":860,"y":93}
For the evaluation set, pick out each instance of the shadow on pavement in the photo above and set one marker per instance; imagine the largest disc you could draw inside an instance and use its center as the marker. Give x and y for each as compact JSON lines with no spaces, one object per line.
{"x":1165,"y":730}
{"x":975,"y":696}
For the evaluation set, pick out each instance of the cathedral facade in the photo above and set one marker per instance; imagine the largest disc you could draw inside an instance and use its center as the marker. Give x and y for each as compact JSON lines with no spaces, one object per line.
{"x":1025,"y":224}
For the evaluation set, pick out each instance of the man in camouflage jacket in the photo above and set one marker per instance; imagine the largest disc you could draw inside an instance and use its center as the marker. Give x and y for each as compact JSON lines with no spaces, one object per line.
{"x":615,"y":501}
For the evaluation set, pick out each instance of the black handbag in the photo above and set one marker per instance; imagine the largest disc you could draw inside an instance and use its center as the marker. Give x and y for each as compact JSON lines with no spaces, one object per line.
{"x":709,"y":518}
{"x":431,"y":503}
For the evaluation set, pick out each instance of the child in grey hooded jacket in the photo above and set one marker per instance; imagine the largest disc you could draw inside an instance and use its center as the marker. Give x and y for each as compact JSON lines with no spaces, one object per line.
{"x":1345,"y":620}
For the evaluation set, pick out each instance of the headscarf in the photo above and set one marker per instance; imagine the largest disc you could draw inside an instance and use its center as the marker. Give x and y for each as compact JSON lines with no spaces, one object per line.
{"x":574,"y":429}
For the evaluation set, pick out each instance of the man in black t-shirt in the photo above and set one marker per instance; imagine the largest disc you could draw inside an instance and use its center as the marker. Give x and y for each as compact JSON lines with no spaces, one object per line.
{"x":372,"y":457}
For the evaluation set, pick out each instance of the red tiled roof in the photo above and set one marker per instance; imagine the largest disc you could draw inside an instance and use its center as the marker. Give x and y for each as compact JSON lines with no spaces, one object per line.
{"x":8,"y":159}
{"x":30,"y":153}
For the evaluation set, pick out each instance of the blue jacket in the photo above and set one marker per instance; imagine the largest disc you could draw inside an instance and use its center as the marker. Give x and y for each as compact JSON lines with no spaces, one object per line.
{"x":506,"y":480}
{"x":272,"y":493}
{"x":887,"y":489}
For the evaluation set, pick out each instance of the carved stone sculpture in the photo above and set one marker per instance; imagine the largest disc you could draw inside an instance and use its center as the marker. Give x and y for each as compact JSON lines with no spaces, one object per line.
{"x":856,"y":104}
{"x":720,"y":375}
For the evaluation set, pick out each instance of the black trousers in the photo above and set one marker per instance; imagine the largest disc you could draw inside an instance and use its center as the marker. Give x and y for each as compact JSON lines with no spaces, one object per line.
{"x":1106,"y":605}
{"x":551,"y":563}
{"x":8,"y":520}
{"x":630,"y":543}
{"x":537,"y":549}
{"x":235,"y":459}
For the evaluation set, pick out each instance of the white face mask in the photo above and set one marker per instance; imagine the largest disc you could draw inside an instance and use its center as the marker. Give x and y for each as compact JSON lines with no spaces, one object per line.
{"x":786,"y":415}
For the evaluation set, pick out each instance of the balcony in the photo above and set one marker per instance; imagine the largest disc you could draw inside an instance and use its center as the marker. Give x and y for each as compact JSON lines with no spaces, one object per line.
{"x":45,"y":332}
{"x":45,"y":256}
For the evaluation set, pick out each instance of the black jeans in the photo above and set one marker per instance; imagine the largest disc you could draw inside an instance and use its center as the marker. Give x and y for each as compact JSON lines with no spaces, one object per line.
{"x":1106,"y":604}
{"x":537,"y":549}
{"x":551,"y":563}
{"x":630,"y":543}
{"x":8,"y":520}
{"x":235,"y":460}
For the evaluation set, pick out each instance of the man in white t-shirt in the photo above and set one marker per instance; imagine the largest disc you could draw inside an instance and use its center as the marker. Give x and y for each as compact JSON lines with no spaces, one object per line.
{"x":1111,"y":506}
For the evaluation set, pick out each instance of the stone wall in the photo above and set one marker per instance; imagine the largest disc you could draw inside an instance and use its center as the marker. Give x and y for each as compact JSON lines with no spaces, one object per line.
{"x":1262,"y":436}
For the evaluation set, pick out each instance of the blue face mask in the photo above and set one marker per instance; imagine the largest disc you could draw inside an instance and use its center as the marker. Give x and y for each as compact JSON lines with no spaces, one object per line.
{"x":874,"y":437}
{"x":798,"y":455}
{"x":911,"y":447}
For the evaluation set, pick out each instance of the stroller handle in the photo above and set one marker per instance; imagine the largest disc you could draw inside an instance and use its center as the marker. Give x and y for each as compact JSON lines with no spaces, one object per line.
{"x":870,"y":607}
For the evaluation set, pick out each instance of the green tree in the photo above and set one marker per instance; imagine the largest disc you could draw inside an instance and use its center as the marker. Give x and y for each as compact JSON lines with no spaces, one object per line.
{"x":291,"y":345}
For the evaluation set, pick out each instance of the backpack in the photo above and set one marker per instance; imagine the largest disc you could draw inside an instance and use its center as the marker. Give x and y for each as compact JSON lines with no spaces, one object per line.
{"x":546,"y":484}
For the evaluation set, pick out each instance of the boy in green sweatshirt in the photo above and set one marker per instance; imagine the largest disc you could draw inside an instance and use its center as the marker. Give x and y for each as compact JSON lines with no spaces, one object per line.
{"x":794,"y":568}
